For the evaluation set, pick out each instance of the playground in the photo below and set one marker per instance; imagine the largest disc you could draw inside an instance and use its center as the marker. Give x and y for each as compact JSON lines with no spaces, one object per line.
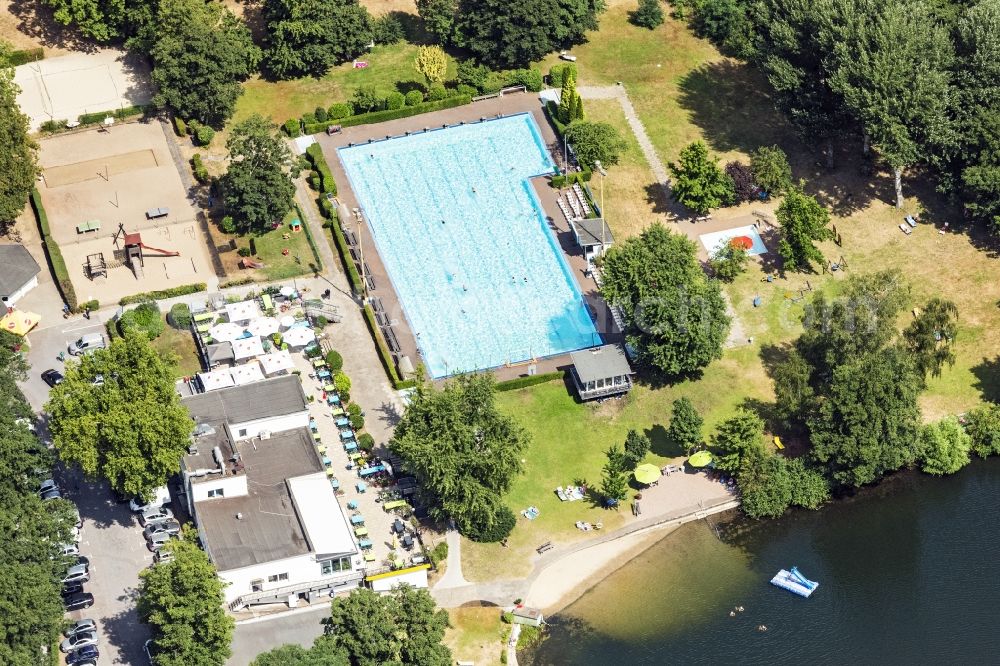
{"x":121,"y":215}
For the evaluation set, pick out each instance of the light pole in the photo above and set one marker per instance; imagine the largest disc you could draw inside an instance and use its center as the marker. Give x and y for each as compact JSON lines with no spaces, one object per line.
{"x":604,"y":219}
{"x":361,"y":254}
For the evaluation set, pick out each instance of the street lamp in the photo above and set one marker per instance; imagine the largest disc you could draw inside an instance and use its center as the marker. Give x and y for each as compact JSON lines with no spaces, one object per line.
{"x":361,"y":253}
{"x":604,"y":219}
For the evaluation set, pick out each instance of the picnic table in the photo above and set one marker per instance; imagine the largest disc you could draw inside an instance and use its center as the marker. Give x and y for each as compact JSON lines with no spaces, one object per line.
{"x":368,"y":471}
{"x":337,"y":411}
{"x":89,"y":225}
{"x":360,"y":531}
{"x":365,"y":544}
{"x":361,"y":486}
{"x":352,"y":505}
{"x":204,"y":316}
{"x":318,"y":362}
{"x":335,"y":483}
{"x":329,"y":388}
{"x":394,"y":504}
{"x":326,"y":461}
{"x":357,"y":519}
{"x":267,"y":302}
{"x":350,"y":446}
{"x":154,"y":213}
{"x":342,"y":421}
{"x":369,"y":557}
{"x":346,"y":435}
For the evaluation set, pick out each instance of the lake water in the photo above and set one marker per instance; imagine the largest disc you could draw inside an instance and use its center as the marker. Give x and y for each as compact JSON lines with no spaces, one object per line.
{"x":907,"y":574}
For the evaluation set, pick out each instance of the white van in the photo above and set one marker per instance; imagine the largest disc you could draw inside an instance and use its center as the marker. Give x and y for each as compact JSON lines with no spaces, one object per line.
{"x":87,"y":343}
{"x":161,"y":496}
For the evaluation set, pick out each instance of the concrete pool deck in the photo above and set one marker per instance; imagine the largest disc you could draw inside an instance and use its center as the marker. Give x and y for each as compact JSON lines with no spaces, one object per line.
{"x":510,"y":104}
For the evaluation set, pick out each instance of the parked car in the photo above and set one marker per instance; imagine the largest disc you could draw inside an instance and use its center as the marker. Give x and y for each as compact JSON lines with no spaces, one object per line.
{"x":155,"y":515}
{"x":155,"y":542}
{"x":87,"y":343}
{"x":78,"y":640}
{"x":162,"y":556}
{"x":79,"y":626}
{"x":161,"y":496}
{"x":171,"y":527}
{"x":51,"y":494}
{"x":82,"y":559}
{"x":85,"y":655}
{"x":70,"y":589}
{"x":78,"y":600}
{"x":52,"y":377}
{"x":47,"y":485}
{"x":78,"y":573}
{"x":69,"y":549}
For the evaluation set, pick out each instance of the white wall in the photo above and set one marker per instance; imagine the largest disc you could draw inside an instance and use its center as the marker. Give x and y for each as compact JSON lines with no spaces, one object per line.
{"x":300,"y":569}
{"x":12,"y":299}
{"x":232,"y":486}
{"x":276,"y":424}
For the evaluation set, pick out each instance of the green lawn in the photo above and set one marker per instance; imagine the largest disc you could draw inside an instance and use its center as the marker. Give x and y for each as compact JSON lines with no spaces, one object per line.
{"x":180,"y":345}
{"x":476,"y":634}
{"x":300,"y":259}
{"x":281,"y":100}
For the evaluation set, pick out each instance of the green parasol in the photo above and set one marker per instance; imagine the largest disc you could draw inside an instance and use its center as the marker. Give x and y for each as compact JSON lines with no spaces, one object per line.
{"x":647,"y":473}
{"x":700,"y":459}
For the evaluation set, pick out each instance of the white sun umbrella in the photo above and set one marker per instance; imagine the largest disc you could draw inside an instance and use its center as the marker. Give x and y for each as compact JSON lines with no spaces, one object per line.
{"x":287,"y":321}
{"x":286,"y":291}
{"x":226,"y":332}
{"x":298,"y":336}
{"x":263,"y":326}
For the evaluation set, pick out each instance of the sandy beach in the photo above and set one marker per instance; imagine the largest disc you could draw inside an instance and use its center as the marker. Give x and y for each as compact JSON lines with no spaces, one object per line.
{"x":567,"y":579}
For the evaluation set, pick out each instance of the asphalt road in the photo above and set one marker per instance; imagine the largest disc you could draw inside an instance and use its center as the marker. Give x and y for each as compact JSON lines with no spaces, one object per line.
{"x":256,"y":636}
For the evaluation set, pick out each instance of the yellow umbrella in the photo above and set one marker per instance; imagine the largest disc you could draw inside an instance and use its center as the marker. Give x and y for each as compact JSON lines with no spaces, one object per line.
{"x":700,"y":459}
{"x":646,"y":473}
{"x":19,"y":322}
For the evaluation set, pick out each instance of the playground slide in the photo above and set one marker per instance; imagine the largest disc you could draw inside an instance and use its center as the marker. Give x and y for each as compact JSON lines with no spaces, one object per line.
{"x":165,"y":253}
{"x":802,"y":579}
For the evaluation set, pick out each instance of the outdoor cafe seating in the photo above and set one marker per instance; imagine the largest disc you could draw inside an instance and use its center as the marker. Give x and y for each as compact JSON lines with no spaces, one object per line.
{"x":394,"y":504}
{"x":343,"y":421}
{"x":323,"y":374}
{"x":360,"y":531}
{"x":361,"y":486}
{"x":346,"y":435}
{"x":353,"y":504}
{"x":407,"y":541}
{"x":397,"y":526}
{"x":369,"y":557}
{"x":364,"y":544}
{"x":370,"y":471}
{"x":350,"y":446}
{"x":332,"y":399}
{"x":357,"y":519}
{"x":335,"y":483}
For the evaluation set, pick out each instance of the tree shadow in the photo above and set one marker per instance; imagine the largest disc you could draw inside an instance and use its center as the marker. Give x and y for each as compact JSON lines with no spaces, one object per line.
{"x":658,"y":197}
{"x":125,"y":631}
{"x":661,"y":444}
{"x":987,"y":375}
{"x":414,"y":30}
{"x":35,"y":19}
{"x":406,"y":86}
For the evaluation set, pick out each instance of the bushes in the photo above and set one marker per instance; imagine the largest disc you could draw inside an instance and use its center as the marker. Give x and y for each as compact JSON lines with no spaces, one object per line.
{"x":341,"y":110}
{"x":357,"y":421}
{"x":199,"y":170}
{"x":552,"y":113}
{"x":743,"y":182}
{"x":383,"y":350}
{"x":327,"y":185}
{"x":204,"y":135}
{"x":438,"y":554}
{"x":228,"y":225}
{"x":90,"y":306}
{"x":320,"y":114}
{"x":345,"y":256}
{"x":292,"y":127}
{"x":24,"y":56}
{"x":574,"y":178}
{"x":531,"y":380}
{"x":244,"y":252}
{"x":180,"y":316}
{"x":491,"y":532}
{"x":529,"y":78}
{"x":182,"y":290}
{"x":145,"y":318}
{"x":414,"y":97}
{"x":52,"y":126}
{"x":341,"y":382}
{"x":334,"y":360}
{"x":56,"y":260}
{"x":394,"y":101}
{"x":557,"y":73}
{"x":366,"y":442}
{"x":436,"y":93}
{"x":180,"y":127}
{"x":407,"y":111}
{"x":120,"y":114}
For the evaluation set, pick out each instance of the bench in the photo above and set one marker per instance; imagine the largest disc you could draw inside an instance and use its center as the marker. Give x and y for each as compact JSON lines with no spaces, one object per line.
{"x":548,"y":545}
{"x":154,"y":213}
{"x":203,"y":316}
{"x":89,"y":225}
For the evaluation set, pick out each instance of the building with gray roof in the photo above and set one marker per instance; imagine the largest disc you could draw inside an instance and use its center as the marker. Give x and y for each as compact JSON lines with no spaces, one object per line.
{"x":599,"y":372}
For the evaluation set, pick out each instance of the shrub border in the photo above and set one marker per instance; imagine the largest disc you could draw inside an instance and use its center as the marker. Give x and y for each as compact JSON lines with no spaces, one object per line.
{"x":531,"y":380}
{"x":382,"y":116}
{"x":56,"y":261}
{"x":383,"y":352}
{"x":161,"y":294}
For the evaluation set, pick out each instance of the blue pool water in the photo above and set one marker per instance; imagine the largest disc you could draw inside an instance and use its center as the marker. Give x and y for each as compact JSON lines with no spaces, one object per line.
{"x":481,"y":277}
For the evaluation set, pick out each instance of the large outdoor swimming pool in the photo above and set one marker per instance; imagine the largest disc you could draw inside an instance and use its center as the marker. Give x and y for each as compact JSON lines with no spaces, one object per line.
{"x":480,"y":275}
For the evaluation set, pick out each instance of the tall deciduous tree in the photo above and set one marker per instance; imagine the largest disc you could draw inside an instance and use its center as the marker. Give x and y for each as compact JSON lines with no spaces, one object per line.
{"x":307,"y":37}
{"x":200,"y":52}
{"x":18,"y":153}
{"x":595,"y":142}
{"x":637,"y":446}
{"x":258,"y":189}
{"x":944,"y":447}
{"x":439,"y":18}
{"x":770,"y":169}
{"x":803,"y":222}
{"x":648,"y":14}
{"x":737,"y":438}
{"x":699,"y":183}
{"x":614,"y":474}
{"x":893,"y":68}
{"x":514,"y":33}
{"x":676,"y":317}
{"x":930,"y":337}
{"x":765,"y":485}
{"x":131,"y":429}
{"x":983,"y":426}
{"x":685,"y":425}
{"x":103,"y":20}
{"x":182,"y":601}
{"x":464,"y":452}
{"x":432,"y":63}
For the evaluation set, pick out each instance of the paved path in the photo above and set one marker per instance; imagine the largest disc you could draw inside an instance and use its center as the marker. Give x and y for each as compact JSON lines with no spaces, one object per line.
{"x":306,"y":201}
{"x":619,"y":93}
{"x":453,"y":576}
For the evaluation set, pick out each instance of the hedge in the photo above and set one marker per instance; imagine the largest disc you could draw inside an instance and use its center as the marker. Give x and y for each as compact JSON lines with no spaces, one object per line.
{"x":342,"y":110}
{"x":530,"y":380}
{"x":121,"y":114}
{"x":327,"y":185}
{"x":182,"y":290}
{"x":345,"y":256}
{"x":199,"y":170}
{"x":292,"y":127}
{"x":56,"y":260}
{"x":576,"y":177}
{"x":180,"y":127}
{"x":311,"y":240}
{"x":394,"y":114}
{"x":552,"y":113}
{"x":24,"y":56}
{"x":383,"y":352}
{"x":557,"y":72}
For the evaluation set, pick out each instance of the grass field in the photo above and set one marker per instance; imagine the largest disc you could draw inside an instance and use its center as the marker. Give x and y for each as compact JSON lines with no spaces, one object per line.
{"x":476,"y":635}
{"x":300,"y":259}
{"x":180,"y":345}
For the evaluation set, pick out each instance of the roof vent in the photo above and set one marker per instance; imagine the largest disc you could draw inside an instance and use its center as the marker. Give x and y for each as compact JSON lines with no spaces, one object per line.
{"x":239,"y":516}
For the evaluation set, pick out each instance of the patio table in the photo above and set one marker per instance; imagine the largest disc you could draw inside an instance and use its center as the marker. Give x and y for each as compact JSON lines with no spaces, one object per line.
{"x":335,"y":483}
{"x":369,"y":557}
{"x":329,"y":387}
{"x":350,"y":446}
{"x":353,"y":504}
{"x":360,"y":531}
{"x":318,"y":362}
{"x":361,"y":486}
{"x":365,"y":543}
{"x":346,"y":435}
{"x":357,"y":519}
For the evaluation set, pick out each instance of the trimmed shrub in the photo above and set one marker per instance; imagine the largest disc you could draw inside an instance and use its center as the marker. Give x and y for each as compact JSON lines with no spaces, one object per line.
{"x":746,"y":188}
{"x":339,"y":110}
{"x":228,"y":225}
{"x":292,"y":127}
{"x":145,"y":318}
{"x":204,"y":135}
{"x":180,"y":316}
{"x":415,"y":97}
{"x":244,"y":251}
{"x":406,"y":111}
{"x":326,"y":184}
{"x":436,"y":93}
{"x":557,"y":73}
{"x":199,"y":170}
{"x":395,"y":100}
{"x":438,"y":554}
{"x":357,"y":421}
{"x":529,"y":78}
{"x":309,"y":119}
{"x":552,"y":113}
{"x":24,"y":56}
{"x":334,"y":360}
{"x":366,"y":442}
{"x":180,"y":127}
{"x":182,"y":290}
{"x":53,"y":125}
{"x":320,"y":114}
{"x":341,"y":382}
{"x":314,"y":181}
{"x":464,"y":89}
{"x":56,"y":260}
{"x":522,"y":382}
{"x":354,"y":409}
{"x":90,"y":306}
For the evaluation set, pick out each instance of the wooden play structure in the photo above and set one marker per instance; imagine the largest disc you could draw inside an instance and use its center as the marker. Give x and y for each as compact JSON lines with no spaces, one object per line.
{"x":96,"y":266}
{"x":135,"y":250}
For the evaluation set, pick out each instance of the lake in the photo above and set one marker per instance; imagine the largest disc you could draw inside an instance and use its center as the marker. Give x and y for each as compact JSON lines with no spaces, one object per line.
{"x":907,"y":574}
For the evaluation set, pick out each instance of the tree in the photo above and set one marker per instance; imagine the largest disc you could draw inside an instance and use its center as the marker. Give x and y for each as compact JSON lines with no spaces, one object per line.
{"x":505,"y":34}
{"x":403,"y":627}
{"x":595,"y":142}
{"x":699,"y":183}
{"x":131,"y":429}
{"x":432,"y":63}
{"x":182,"y":601}
{"x":810,"y":489}
{"x":614,"y":475}
{"x":803,"y":222}
{"x":944,"y":447}
{"x":464,"y":452}
{"x":296,"y":655}
{"x":744,"y":186}
{"x":765,"y":485}
{"x":102,"y":20}
{"x":649,"y":14}
{"x":983,"y":427}
{"x":930,"y":337}
{"x":439,"y":18}
{"x":793,"y":391}
{"x":892,"y":65}
{"x":201,"y":53}
{"x":675,"y":316}
{"x":729,"y":261}
{"x":342,"y":383}
{"x":258,"y":189}
{"x":739,"y":437}
{"x":366,"y":99}
{"x":570,"y":102}
{"x":307,"y":37}
{"x":145,"y":318}
{"x":770,"y":169}
{"x":18,"y":152}
{"x":685,"y":425}
{"x":637,"y":445}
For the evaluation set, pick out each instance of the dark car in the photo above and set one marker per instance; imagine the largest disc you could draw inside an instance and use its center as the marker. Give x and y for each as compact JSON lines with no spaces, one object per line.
{"x":82,"y":656}
{"x":52,"y":377}
{"x":72,"y":588}
{"x":78,"y":600}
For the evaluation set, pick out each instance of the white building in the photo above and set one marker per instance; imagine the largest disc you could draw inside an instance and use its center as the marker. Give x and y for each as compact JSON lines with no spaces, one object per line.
{"x":18,"y":274}
{"x":259,"y":494}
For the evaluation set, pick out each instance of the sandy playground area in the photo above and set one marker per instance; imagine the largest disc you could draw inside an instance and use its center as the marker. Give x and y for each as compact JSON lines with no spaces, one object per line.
{"x":113,"y":178}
